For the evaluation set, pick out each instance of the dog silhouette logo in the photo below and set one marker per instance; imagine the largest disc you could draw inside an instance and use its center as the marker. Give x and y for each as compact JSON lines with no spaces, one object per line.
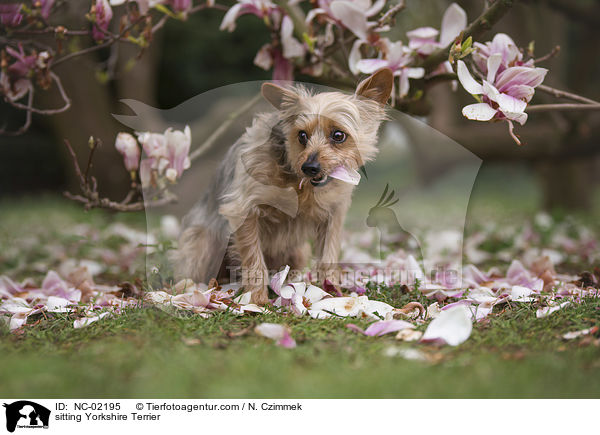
{"x":26,"y":414}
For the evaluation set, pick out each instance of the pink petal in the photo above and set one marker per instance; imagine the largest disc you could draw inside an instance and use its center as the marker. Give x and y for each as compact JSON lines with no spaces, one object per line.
{"x":369,"y":66}
{"x":277,"y":332}
{"x":386,"y":326}
{"x":520,"y":75}
{"x":278,"y":279}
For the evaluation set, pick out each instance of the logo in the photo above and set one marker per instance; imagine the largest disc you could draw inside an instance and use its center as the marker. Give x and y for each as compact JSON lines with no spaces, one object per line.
{"x":26,"y":414}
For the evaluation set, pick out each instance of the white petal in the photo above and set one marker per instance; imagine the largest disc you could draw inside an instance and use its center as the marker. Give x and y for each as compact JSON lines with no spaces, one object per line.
{"x":466,"y":80}
{"x":355,"y":56}
{"x":454,"y":21}
{"x":314,"y":294}
{"x":479,"y":112}
{"x":452,"y":326}
{"x":291,"y":46}
{"x":493,"y":63}
{"x":346,"y":174}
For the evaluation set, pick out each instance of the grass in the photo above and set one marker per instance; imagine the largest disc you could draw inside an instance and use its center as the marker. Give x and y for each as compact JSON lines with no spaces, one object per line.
{"x":149,"y":352}
{"x":144,"y":354}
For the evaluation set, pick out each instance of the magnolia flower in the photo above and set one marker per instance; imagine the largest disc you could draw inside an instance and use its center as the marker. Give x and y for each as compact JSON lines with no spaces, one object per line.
{"x":128,"y":147}
{"x":395,"y":56}
{"x":103,"y":14}
{"x":299,"y":297}
{"x":504,"y":95}
{"x":10,"y":14}
{"x":264,"y":9}
{"x":351,"y":14}
{"x":502,"y":45}
{"x":424,"y":39}
{"x":270,"y":56}
{"x":167,"y":154}
{"x":178,"y":147}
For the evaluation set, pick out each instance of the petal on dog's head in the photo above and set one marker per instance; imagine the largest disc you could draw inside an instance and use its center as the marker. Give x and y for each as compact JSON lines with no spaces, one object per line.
{"x":378,"y":86}
{"x":277,"y":95}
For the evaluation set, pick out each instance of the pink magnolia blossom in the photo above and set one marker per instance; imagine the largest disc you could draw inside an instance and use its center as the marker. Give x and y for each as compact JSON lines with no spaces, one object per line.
{"x":10,"y":14}
{"x":424,"y":40}
{"x":502,"y":45}
{"x":167,"y":154}
{"x":264,"y":9}
{"x":352,"y":14}
{"x":394,"y":55}
{"x":504,"y":95}
{"x":271,"y":56}
{"x":103,"y":16}
{"x":128,"y":147}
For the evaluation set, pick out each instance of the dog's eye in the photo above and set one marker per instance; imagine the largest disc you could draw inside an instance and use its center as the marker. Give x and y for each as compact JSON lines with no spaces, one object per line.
{"x":338,"y":136}
{"x":302,"y":137}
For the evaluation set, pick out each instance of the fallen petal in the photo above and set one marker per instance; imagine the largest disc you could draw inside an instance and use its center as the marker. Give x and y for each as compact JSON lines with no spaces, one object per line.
{"x":452,"y":326}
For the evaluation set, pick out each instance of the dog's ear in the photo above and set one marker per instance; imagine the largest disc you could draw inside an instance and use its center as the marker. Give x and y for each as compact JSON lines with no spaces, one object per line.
{"x":377,"y":86}
{"x":277,"y":96}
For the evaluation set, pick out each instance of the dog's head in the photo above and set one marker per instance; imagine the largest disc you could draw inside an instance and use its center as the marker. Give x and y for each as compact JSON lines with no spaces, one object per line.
{"x":331,"y":129}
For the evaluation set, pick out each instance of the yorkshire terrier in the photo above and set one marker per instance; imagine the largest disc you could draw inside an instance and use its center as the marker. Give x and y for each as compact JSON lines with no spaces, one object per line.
{"x":272,"y":193}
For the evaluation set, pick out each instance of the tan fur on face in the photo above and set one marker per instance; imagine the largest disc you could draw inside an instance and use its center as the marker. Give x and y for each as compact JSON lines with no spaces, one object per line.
{"x":257,"y":197}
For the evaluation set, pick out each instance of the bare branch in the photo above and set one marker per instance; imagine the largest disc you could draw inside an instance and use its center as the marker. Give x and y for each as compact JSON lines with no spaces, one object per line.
{"x":223,"y":127}
{"x":548,"y":56}
{"x":564,"y":94}
{"x":549,"y":107}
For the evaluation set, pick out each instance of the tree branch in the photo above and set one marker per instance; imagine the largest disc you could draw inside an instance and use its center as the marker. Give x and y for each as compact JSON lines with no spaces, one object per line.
{"x":549,"y":107}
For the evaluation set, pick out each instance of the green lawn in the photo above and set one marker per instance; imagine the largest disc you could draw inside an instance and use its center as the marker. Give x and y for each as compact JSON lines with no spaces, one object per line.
{"x":149,"y":352}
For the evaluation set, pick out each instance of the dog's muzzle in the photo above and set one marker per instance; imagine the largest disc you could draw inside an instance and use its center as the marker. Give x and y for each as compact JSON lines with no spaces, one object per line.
{"x":321,"y":180}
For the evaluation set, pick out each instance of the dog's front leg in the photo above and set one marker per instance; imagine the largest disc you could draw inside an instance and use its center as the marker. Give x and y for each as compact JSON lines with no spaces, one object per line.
{"x":330,"y":236}
{"x":254,"y":270}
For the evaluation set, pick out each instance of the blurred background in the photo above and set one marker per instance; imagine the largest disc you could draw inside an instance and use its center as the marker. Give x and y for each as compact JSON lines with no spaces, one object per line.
{"x":556,"y":169}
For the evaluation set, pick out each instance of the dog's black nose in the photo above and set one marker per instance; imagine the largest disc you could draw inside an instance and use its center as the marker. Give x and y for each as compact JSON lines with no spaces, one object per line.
{"x":311,"y":168}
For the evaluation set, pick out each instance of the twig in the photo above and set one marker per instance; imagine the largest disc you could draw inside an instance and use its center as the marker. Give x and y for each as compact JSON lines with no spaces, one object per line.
{"x":63,"y":95}
{"x":548,"y":56}
{"x":564,"y":94}
{"x":480,"y":26}
{"x":222,"y":128}
{"x":549,"y":107}
{"x":89,"y":193}
{"x":27,"y":123}
{"x":390,"y":15}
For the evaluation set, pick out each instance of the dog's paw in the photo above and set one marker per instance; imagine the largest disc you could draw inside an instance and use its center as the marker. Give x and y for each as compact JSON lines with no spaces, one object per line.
{"x":259,"y":295}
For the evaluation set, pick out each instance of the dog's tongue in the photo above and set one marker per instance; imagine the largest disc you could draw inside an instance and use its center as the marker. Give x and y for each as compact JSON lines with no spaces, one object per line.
{"x":344,"y":174}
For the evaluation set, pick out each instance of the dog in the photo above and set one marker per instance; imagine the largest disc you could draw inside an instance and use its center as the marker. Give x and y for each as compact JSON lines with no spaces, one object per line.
{"x":273,"y":194}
